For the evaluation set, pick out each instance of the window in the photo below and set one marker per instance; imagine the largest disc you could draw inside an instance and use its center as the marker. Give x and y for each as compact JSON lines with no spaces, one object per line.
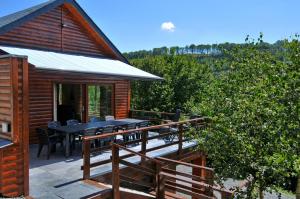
{"x":100,"y":100}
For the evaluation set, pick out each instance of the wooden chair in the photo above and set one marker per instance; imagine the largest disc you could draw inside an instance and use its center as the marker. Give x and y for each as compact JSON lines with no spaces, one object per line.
{"x":45,"y":139}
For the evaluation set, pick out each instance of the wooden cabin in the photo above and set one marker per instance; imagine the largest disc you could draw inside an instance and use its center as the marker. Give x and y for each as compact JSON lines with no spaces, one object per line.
{"x":55,"y":64}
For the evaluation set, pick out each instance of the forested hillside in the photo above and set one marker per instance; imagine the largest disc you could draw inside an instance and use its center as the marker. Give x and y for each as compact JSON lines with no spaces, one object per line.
{"x":186,"y":71}
{"x":251,"y":91}
{"x":212,"y":50}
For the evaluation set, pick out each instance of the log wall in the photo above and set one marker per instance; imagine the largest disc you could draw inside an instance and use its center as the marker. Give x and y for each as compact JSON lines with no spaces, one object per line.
{"x":5,"y":93}
{"x":14,"y":167}
{"x":58,"y":30}
{"x":41,"y":94}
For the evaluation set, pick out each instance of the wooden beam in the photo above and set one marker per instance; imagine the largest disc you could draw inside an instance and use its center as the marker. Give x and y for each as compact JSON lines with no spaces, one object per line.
{"x":15,"y":99}
{"x":115,"y":172}
{"x":25,"y":121}
{"x":86,"y":159}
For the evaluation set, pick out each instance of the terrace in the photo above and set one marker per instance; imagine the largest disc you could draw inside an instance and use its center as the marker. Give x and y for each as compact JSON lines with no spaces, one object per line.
{"x":128,"y":169}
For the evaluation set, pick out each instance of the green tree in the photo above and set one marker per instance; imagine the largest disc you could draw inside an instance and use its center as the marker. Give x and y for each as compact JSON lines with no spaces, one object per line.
{"x":183,"y":77}
{"x":254,"y":104}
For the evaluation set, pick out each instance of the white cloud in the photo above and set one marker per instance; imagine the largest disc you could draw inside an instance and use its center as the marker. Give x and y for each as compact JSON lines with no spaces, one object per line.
{"x":168,"y":26}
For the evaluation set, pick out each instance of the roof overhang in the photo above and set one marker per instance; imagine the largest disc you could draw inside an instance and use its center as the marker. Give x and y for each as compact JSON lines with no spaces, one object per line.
{"x":76,"y":63}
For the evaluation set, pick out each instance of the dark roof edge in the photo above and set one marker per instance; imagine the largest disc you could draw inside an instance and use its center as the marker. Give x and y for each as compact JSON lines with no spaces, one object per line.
{"x":12,"y":55}
{"x":98,"y":30}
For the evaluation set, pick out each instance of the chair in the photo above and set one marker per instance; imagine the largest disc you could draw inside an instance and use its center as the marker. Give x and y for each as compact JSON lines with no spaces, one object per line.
{"x":52,"y":125}
{"x":141,"y":125}
{"x":173,"y":129}
{"x":72,"y":122}
{"x":90,"y":132}
{"x":106,"y":130}
{"x":109,"y":118}
{"x":199,"y":125}
{"x":94,"y":119}
{"x":131,"y":136}
{"x":176,"y":117}
{"x":45,"y":139}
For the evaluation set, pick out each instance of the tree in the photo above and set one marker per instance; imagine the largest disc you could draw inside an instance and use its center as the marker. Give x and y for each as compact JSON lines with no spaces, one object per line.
{"x":183,"y":77}
{"x":254,"y":104}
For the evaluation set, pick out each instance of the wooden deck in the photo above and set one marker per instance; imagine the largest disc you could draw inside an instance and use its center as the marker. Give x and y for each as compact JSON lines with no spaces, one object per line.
{"x":59,"y":177}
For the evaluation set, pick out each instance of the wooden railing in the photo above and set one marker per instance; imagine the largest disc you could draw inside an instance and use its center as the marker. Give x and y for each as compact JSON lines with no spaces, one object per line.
{"x":181,"y":126}
{"x":153,"y":116}
{"x":165,"y":179}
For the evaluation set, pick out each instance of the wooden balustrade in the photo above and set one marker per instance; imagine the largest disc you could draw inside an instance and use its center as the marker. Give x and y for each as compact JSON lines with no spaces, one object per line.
{"x":153,"y":116}
{"x":164,"y":178}
{"x":87,"y":151}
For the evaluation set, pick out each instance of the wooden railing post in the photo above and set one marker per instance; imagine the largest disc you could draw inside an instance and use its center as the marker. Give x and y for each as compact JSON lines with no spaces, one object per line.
{"x":225,"y":195}
{"x":86,"y":159}
{"x":144,"y":145}
{"x":130,"y":114}
{"x":115,"y":172}
{"x":180,"y":136}
{"x":160,"y":183}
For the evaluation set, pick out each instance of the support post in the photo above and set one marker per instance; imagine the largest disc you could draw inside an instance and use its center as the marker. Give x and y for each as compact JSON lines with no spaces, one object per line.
{"x":225,"y":195}
{"x":201,"y":161}
{"x":180,"y":136}
{"x":160,"y":183}
{"x":115,"y":172}
{"x":86,"y":159}
{"x":25,"y":98}
{"x":144,"y":145}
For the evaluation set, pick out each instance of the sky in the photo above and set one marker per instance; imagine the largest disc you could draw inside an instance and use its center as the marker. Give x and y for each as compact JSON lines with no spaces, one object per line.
{"x":145,"y":24}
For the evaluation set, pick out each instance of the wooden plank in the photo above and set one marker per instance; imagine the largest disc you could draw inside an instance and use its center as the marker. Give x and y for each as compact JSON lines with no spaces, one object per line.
{"x":193,"y":177}
{"x":185,"y":164}
{"x":186,"y":187}
{"x":135,"y":181}
{"x":187,"y":192}
{"x":193,"y":182}
{"x":142,"y":169}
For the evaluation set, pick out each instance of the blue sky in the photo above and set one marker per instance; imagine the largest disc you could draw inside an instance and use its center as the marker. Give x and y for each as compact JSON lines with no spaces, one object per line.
{"x":136,"y":24}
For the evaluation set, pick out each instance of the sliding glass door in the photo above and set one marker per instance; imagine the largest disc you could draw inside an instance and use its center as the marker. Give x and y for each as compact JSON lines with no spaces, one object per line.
{"x":68,"y":102}
{"x":100,"y":101}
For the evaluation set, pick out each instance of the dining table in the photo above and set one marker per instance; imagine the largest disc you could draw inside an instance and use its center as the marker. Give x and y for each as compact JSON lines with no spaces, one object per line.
{"x":69,"y":130}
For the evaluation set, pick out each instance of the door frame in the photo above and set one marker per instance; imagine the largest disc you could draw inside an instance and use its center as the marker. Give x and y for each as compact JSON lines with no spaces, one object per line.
{"x":83,"y":99}
{"x":113,"y":102}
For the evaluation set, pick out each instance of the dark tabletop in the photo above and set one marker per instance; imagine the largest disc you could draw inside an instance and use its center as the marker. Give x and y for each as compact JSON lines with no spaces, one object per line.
{"x":84,"y":126}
